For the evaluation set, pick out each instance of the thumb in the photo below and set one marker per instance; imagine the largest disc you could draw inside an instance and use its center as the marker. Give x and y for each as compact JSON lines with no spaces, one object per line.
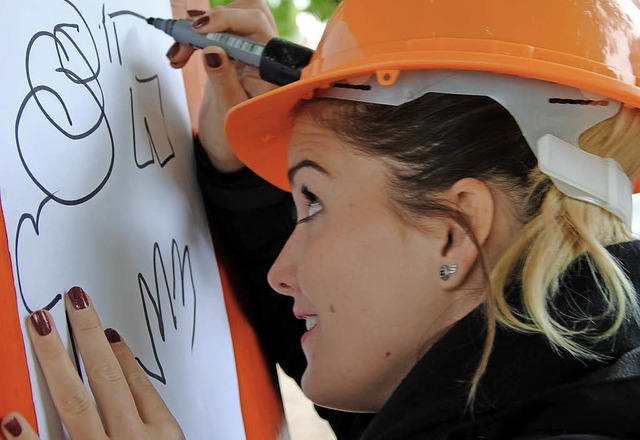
{"x":223,"y":77}
{"x":14,"y":426}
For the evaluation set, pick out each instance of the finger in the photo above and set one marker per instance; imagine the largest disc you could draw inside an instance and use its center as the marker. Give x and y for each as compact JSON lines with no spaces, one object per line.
{"x":151,"y":407}
{"x":260,"y":5}
{"x":68,"y":393}
{"x":107,"y":381}
{"x":14,"y":426}
{"x":251,"y":81}
{"x":230,"y":80}
{"x":195,"y":13}
{"x":250,"y":23}
{"x":179,"y":54}
{"x":224,"y":91}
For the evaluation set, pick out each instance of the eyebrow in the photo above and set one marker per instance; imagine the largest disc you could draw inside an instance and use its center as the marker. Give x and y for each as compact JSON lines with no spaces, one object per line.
{"x":306,"y":163}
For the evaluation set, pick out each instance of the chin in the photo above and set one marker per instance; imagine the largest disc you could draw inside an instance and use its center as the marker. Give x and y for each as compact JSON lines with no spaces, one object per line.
{"x":335,"y":395}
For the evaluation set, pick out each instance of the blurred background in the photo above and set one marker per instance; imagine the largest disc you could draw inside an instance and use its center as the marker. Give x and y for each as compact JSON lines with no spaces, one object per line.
{"x":301,"y":21}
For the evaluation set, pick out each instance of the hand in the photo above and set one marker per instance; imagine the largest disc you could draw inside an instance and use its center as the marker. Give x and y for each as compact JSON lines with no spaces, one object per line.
{"x":230,"y":83}
{"x":127,"y":402}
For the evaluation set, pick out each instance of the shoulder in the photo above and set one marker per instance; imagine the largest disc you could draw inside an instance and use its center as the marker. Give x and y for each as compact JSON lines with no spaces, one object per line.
{"x":601,"y":406}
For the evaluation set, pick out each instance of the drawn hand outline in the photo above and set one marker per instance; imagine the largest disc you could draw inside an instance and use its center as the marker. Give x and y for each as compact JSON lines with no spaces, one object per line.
{"x":183,"y":316}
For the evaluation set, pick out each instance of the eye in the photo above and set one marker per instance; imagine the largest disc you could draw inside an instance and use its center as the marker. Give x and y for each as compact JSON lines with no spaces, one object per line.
{"x":311,"y":202}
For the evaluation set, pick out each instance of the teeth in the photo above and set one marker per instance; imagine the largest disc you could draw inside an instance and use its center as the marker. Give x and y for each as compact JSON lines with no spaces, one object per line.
{"x":311,"y":321}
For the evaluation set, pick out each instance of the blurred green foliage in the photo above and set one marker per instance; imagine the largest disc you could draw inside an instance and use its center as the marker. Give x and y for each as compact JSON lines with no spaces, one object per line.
{"x":286,"y":11}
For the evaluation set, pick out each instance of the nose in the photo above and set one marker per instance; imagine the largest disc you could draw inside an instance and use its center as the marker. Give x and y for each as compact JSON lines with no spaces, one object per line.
{"x":282,"y":276}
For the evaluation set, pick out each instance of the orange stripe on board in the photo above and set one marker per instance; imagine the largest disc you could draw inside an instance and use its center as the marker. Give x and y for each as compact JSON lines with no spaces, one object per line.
{"x":15,"y":385}
{"x":260,"y":400}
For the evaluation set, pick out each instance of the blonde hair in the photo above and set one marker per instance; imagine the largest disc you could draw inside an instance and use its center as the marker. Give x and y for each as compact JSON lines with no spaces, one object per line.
{"x":563,"y":230}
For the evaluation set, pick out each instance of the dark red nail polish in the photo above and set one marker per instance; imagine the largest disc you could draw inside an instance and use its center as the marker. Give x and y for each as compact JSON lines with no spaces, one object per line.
{"x":13,"y":426}
{"x":78,"y":298}
{"x":112,"y":336}
{"x":213,"y":60}
{"x":173,"y":50}
{"x":200,"y":22}
{"x":195,"y":12}
{"x":40,"y":322}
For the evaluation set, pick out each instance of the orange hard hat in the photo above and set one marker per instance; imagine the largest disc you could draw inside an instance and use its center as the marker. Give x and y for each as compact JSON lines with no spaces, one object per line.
{"x":592,"y":45}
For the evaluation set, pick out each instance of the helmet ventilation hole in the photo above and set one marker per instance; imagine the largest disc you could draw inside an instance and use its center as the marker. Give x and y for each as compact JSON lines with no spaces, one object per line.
{"x":601,"y":103}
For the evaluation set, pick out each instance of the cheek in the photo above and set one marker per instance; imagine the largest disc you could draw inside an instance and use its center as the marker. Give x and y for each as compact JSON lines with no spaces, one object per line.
{"x":377,"y":312}
{"x":322,"y":263}
{"x":368,"y":269}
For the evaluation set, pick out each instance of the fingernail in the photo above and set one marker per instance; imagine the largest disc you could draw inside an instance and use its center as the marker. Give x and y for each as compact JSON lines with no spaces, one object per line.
{"x":195,"y":12}
{"x":200,"y":22}
{"x":13,"y":426}
{"x":112,"y":335}
{"x":214,"y":60}
{"x":40,"y":322}
{"x":173,"y":50}
{"x":78,"y":298}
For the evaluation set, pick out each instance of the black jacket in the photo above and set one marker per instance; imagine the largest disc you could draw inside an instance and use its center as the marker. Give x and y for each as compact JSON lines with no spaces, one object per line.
{"x":529,"y":391}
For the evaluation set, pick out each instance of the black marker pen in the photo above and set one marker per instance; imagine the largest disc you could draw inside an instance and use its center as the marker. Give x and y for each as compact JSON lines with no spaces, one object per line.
{"x":279,"y":61}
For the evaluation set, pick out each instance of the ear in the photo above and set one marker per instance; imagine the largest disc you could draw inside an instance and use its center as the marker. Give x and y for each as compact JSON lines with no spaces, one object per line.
{"x":474,"y":200}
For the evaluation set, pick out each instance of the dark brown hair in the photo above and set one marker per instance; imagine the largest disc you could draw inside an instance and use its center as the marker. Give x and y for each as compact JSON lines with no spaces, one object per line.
{"x":434,"y":141}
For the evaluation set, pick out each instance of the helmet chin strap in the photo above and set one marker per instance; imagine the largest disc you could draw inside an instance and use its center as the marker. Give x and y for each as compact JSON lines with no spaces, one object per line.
{"x":551,"y":117}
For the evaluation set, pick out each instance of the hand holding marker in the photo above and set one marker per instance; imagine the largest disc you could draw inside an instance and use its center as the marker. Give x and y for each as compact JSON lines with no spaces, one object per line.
{"x":279,"y":61}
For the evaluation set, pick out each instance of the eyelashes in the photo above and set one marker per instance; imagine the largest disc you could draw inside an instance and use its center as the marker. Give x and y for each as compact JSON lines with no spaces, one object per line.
{"x":312,"y":204}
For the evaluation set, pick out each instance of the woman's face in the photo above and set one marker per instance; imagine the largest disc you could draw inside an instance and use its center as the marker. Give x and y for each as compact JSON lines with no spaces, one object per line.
{"x":366,"y":282}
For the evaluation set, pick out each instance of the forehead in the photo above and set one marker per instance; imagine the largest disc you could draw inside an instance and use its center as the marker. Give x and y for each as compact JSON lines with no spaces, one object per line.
{"x":313,"y":141}
{"x":311,"y":138}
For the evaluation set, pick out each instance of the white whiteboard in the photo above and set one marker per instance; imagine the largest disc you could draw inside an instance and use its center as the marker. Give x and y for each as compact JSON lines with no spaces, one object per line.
{"x":98,"y":190}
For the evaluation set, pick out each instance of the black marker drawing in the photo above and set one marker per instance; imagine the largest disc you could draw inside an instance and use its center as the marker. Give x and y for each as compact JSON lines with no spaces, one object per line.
{"x":152,"y":301}
{"x":124,"y":12}
{"x":44,"y":104}
{"x":103,"y":25}
{"x":149,"y":98}
{"x":115,"y":32}
{"x":35,"y":224}
{"x":64,"y":185}
{"x":106,"y":34}
{"x":66,"y":101}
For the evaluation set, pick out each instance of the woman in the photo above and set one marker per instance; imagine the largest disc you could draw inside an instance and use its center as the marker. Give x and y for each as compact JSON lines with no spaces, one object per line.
{"x":460,"y":266}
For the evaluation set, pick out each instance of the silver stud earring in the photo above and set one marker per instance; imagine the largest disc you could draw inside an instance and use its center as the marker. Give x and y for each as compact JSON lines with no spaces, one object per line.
{"x":446,"y":271}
